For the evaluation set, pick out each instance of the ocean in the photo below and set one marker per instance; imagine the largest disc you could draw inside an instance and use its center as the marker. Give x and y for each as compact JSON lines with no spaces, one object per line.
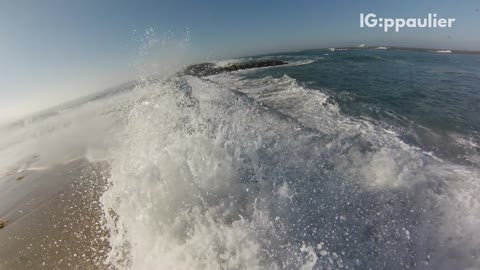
{"x":341,"y":159}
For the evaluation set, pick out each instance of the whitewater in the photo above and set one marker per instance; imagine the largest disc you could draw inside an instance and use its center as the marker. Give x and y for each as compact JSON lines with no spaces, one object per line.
{"x":231,"y":173}
{"x":247,"y":170}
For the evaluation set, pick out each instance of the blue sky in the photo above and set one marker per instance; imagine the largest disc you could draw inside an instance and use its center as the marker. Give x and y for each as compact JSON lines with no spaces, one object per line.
{"x":54,"y":50}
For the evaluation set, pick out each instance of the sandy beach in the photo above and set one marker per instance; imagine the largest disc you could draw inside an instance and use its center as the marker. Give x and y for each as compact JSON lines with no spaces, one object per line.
{"x":52,"y":218}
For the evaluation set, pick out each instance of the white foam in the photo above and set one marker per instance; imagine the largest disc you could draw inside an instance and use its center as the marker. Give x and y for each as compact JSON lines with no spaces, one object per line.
{"x":231,"y":173}
{"x":228,"y":62}
{"x":177,"y":193}
{"x":301,"y":63}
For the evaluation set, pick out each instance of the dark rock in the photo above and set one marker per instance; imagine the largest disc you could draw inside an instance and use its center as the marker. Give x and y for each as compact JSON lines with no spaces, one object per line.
{"x":204,"y":69}
{"x":207,"y":69}
{"x":3,"y":224}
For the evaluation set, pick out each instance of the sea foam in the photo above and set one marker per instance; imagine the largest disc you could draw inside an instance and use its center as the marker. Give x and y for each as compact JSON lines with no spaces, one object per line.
{"x":235,"y":173}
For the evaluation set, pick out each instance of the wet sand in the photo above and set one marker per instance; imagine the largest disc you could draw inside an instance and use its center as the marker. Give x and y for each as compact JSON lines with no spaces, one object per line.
{"x":53,"y":218}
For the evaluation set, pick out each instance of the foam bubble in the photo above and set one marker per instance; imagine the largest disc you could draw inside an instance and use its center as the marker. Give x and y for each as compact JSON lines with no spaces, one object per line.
{"x":236,"y":173}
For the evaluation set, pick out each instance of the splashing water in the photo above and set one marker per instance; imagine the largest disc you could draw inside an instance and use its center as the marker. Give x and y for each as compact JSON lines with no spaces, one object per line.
{"x":235,"y":173}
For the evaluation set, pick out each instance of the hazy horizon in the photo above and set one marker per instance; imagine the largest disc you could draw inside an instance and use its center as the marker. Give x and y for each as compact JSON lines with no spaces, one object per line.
{"x":54,"y":52}
{"x":90,"y":92}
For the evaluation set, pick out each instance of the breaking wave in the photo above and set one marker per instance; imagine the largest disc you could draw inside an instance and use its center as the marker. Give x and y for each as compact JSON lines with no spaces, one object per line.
{"x":234,"y":173}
